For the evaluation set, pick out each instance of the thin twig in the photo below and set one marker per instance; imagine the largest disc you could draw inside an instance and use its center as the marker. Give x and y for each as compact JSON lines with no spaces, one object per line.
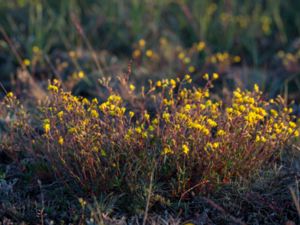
{"x":3,"y":88}
{"x":13,"y":48}
{"x":87,"y":42}
{"x":223,"y":211}
{"x":149,"y":197}
{"x":187,"y":191}
{"x":295,"y":198}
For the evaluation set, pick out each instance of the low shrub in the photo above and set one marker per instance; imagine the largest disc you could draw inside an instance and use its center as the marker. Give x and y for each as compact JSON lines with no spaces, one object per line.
{"x":187,"y":141}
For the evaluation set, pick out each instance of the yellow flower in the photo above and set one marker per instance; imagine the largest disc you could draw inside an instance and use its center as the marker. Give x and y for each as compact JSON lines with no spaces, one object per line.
{"x":187,"y":77}
{"x":260,"y":139}
{"x":85,"y":101}
{"x":215,"y":145}
{"x":138,"y":130}
{"x":292,"y":124}
{"x":181,"y":55}
{"x":72,"y":54}
{"x":212,"y":123}
{"x":131,"y":114}
{"x":146,"y":116}
{"x":213,"y":59}
{"x":256,"y":88}
{"x":72,"y":130}
{"x":173,"y":83}
{"x":69,"y":107}
{"x":155,"y":121}
{"x":208,"y":103}
{"x":274,"y":113}
{"x":185,"y":149}
{"x":187,"y":60}
{"x":35,"y":49}
{"x":46,"y":127}
{"x":151,"y":128}
{"x":136,"y":53}
{"x":215,"y":76}
{"x":187,"y":107}
{"x":95,"y":101}
{"x":202,"y":106}
{"x":192,"y":69}
{"x":94,"y":113}
{"x":242,"y":108}
{"x":205,"y":131}
{"x":103,"y":152}
{"x":52,"y":88}
{"x":252,"y":118}
{"x":236,"y":59}
{"x":206,"y":76}
{"x":145,"y":134}
{"x":81,"y":74}
{"x":131,"y":87}
{"x":142,"y":43}
{"x":237,"y":94}
{"x":82,"y":202}
{"x":229,"y":110}
{"x":221,"y":133}
{"x":166,"y":116}
{"x":167,"y":150}
{"x":60,"y":114}
{"x":149,"y":53}
{"x":26,"y":62}
{"x":10,"y":94}
{"x":208,"y":146}
{"x":200,"y":46}
{"x":158,"y":83}
{"x":61,"y":140}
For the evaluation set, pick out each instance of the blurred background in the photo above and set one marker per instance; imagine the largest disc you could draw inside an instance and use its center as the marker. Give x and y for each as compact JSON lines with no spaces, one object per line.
{"x":81,"y":41}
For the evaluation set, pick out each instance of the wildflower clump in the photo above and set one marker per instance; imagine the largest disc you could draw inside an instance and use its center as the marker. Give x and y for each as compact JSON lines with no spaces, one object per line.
{"x":198,"y":57}
{"x":189,"y":139}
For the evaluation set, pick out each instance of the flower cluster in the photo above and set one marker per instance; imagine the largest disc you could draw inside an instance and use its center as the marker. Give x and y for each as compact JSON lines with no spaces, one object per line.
{"x":190,"y":60}
{"x":183,"y":133}
{"x":290,"y":60}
